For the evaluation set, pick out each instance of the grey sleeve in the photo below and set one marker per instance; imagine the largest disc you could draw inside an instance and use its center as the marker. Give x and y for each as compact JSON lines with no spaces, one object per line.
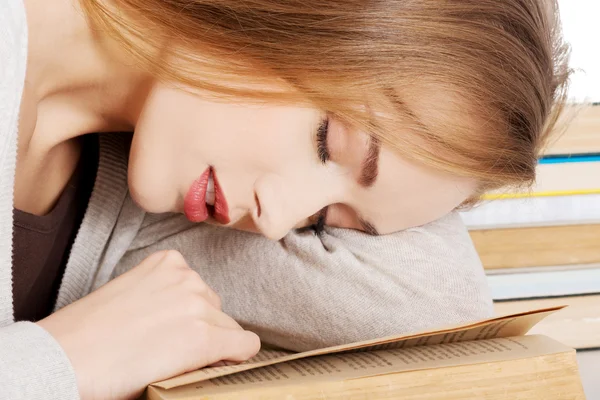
{"x":33,"y":365}
{"x":306,"y":292}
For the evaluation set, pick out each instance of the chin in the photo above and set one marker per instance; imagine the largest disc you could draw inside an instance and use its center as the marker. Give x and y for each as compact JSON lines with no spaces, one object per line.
{"x":245,"y":224}
{"x":149,"y":203}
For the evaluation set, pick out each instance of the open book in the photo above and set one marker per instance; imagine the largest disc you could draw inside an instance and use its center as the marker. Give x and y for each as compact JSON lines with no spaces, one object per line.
{"x":482,"y":357}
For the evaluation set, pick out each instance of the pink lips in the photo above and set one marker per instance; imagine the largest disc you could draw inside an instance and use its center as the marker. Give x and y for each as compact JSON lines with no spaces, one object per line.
{"x":195,"y":207}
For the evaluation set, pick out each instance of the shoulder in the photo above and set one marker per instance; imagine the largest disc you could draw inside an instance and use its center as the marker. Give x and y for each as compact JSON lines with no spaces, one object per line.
{"x":13,"y":43}
{"x":13,"y":53}
{"x":13,"y":62}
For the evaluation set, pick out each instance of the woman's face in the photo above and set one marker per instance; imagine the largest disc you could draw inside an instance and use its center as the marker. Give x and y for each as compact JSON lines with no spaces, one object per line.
{"x":276,"y":168}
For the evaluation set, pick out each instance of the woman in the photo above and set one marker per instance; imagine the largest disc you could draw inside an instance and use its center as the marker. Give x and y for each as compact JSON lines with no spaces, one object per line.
{"x":265,"y":116}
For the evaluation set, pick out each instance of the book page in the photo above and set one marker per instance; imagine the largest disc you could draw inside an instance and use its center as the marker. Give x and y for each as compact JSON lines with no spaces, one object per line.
{"x":264,"y":356}
{"x":504,"y":326}
{"x":340,"y":367}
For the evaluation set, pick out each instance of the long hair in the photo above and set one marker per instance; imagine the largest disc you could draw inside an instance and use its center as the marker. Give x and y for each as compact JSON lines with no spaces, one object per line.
{"x":472,"y":87}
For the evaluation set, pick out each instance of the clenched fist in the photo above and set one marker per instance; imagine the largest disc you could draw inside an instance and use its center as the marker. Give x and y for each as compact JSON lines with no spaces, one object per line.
{"x":158,"y":320}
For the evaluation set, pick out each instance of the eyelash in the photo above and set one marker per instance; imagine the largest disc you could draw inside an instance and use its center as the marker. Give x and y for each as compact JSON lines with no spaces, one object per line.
{"x":322,"y":150}
{"x":320,"y":224}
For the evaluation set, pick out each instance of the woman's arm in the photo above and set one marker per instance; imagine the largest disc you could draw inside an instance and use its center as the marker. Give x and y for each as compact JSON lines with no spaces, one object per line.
{"x":99,"y":346}
{"x":33,"y":365}
{"x":305,"y":292}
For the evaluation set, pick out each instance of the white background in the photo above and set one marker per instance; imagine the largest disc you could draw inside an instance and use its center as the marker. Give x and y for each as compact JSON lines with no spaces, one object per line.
{"x":581,"y":28}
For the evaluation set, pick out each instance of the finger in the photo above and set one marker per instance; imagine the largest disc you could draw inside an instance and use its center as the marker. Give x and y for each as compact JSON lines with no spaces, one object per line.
{"x":137,"y":274}
{"x":154,"y":259}
{"x":217,"y":318}
{"x":218,"y":364}
{"x":212,"y":297}
{"x":223,"y":363}
{"x":194,"y":283}
{"x":229,"y":345}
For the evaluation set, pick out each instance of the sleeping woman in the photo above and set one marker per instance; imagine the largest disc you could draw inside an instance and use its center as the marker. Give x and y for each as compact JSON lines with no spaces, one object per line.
{"x":181,"y":180}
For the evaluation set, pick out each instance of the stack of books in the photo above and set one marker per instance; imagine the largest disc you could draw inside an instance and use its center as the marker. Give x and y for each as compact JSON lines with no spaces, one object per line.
{"x":541,"y":247}
{"x":490,"y":359}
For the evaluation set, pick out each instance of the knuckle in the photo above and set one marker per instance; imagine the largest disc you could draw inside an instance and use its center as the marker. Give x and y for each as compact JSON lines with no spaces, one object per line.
{"x":217,"y":299}
{"x":194,"y":281}
{"x":195,"y":306}
{"x":253,"y":344}
{"x":173,"y":258}
{"x":187,"y":281}
{"x":196,"y":334}
{"x":201,"y":331}
{"x":174,"y":268}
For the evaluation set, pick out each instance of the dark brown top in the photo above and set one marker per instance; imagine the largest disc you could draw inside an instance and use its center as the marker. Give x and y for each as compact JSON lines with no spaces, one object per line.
{"x":41,"y":244}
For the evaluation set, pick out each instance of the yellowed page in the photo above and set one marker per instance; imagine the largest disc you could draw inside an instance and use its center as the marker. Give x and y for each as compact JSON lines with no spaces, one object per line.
{"x":503,"y":326}
{"x":339,"y":367}
{"x":577,"y":326}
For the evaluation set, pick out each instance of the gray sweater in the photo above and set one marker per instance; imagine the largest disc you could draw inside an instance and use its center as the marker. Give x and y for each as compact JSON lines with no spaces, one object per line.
{"x":299,"y":293}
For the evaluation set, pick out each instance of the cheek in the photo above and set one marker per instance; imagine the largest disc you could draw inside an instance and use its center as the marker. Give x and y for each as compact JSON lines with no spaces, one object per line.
{"x":408,"y":195}
{"x":254,"y":140}
{"x":159,"y":151}
{"x":342,"y":216}
{"x":149,"y":177}
{"x":179,"y":134}
{"x":269,"y":137}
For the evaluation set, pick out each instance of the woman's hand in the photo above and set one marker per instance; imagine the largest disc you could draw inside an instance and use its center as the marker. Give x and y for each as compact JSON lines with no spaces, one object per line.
{"x":158,"y":320}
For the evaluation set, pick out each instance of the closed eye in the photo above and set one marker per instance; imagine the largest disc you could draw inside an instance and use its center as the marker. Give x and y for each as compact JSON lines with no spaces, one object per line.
{"x":322,"y":131}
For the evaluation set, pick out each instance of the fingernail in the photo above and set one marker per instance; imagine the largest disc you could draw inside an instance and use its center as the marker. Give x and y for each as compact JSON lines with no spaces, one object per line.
{"x":219,"y":364}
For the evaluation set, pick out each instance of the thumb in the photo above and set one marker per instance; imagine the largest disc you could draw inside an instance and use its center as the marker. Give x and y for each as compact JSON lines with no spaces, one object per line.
{"x":229,"y":345}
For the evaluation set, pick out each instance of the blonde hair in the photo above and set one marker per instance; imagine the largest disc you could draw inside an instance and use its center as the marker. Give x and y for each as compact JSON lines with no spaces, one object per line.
{"x":472,"y":87}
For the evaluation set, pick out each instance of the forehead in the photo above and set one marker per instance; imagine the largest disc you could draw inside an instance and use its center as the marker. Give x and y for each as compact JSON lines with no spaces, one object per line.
{"x":407,"y":194}
{"x":410,"y":193}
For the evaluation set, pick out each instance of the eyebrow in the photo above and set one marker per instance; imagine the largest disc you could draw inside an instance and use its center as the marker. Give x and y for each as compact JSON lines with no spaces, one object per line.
{"x":368,"y":176}
{"x":370,"y":165}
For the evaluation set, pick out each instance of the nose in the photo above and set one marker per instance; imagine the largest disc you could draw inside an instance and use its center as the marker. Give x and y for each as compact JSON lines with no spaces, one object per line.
{"x":284,"y":202}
